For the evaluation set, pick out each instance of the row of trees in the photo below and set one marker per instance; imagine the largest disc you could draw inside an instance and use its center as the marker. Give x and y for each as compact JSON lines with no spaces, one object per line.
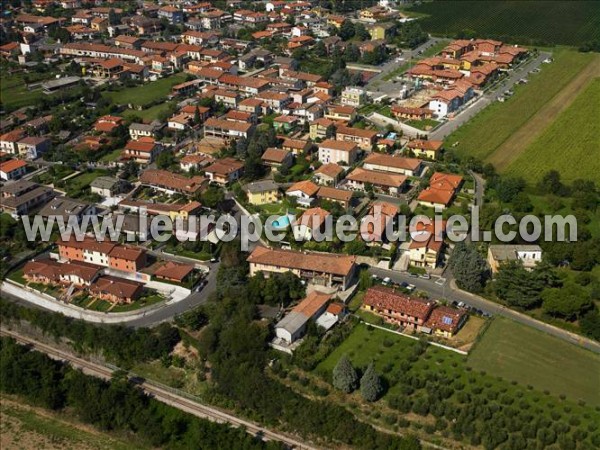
{"x":346,"y":379}
{"x":112,"y":406}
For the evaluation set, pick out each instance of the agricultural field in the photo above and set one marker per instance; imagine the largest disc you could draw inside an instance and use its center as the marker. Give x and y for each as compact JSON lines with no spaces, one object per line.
{"x":26,"y":427}
{"x":573,"y":136}
{"x":530,"y":357}
{"x":492,"y":127}
{"x":14,"y":93}
{"x":147,"y":93}
{"x":433,"y":392}
{"x":533,"y":23}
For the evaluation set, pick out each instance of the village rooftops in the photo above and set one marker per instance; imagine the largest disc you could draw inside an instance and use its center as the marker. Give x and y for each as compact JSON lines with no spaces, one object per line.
{"x":445,"y":318}
{"x":383,"y":298}
{"x":312,"y":304}
{"x":382,"y":159}
{"x":338,"y":145}
{"x":329,"y":193}
{"x":307,"y":187}
{"x":275,"y":155}
{"x":377,"y":178}
{"x":420,"y":144}
{"x":172,"y":181}
{"x":313,"y":262}
{"x":330,"y":169}
{"x":261,"y":186}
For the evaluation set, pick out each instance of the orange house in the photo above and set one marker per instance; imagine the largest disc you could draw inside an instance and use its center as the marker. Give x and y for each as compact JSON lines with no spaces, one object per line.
{"x":127,"y":259}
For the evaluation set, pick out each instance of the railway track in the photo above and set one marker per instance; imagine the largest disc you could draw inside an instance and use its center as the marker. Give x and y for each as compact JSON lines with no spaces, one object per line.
{"x":163,"y":395}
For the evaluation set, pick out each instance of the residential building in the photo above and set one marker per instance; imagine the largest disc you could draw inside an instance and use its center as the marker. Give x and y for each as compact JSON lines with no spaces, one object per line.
{"x":397,"y":308}
{"x":141,"y":130}
{"x":127,"y":258}
{"x":441,"y":191}
{"x":173,"y":183}
{"x":107,"y":186}
{"x":354,"y":96}
{"x":304,"y":192}
{"x":529,"y":255}
{"x":427,"y":245}
{"x":33,"y":147}
{"x":13,"y":169}
{"x":425,"y":149}
{"x":411,"y":113}
{"x":174,"y":272}
{"x":116,"y":290}
{"x":381,"y":31}
{"x":224,"y":171}
{"x":195,"y":162}
{"x":341,"y":196}
{"x":48,"y":271}
{"x":227,"y":129}
{"x":320,"y":128}
{"x":318,"y":268}
{"x":445,"y":321}
{"x":338,"y":152}
{"x":68,"y":209}
{"x":277,"y":158}
{"x":328,"y":174}
{"x":296,"y":146}
{"x":262,"y":192}
{"x":382,"y":162}
{"x":341,"y":113}
{"x":144,"y":150}
{"x":22,"y":197}
{"x":310,"y":222}
{"x":388,"y":183}
{"x":365,"y":139}
{"x":293,"y":326}
{"x":9,"y":140}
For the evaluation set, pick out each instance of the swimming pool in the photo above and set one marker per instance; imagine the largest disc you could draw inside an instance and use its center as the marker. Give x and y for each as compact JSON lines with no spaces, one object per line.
{"x":281,"y":222}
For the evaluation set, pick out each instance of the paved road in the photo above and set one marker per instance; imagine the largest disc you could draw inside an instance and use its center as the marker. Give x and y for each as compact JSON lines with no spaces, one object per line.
{"x":448,"y":292}
{"x":489,"y":97}
{"x":166,"y":395}
{"x":377,"y":83}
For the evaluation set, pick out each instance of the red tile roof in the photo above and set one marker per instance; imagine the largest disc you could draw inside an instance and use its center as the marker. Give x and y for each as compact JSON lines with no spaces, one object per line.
{"x":382,"y":298}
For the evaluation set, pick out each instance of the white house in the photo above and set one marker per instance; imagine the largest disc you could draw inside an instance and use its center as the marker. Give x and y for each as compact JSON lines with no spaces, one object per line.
{"x":304,"y":192}
{"x":339,"y":152}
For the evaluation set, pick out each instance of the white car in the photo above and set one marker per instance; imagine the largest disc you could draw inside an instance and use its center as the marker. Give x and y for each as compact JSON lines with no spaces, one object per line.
{"x":386,"y":281}
{"x":411,"y":287}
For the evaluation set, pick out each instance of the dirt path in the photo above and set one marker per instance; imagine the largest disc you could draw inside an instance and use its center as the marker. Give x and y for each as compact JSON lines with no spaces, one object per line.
{"x":512,"y":148}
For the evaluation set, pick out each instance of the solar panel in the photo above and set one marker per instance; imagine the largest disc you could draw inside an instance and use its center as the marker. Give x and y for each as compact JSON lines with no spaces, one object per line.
{"x":447,"y":320}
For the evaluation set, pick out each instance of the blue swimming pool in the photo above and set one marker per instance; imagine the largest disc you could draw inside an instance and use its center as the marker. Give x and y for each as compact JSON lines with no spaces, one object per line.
{"x":282,"y":222}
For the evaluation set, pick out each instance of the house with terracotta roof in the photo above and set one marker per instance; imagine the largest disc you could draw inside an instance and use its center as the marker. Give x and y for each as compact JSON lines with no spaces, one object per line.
{"x":13,"y":169}
{"x":277,"y":158}
{"x":296,"y":146}
{"x":330,"y":194}
{"x":365,"y":139}
{"x":227,"y":129}
{"x":293,"y":326}
{"x":310,"y":222}
{"x":173,"y":183}
{"x":195,"y":162}
{"x":8,"y":141}
{"x":224,"y":171}
{"x":445,"y":321}
{"x":425,"y":149}
{"x":49,"y":271}
{"x":389,"y":183}
{"x":411,"y":113}
{"x":427,"y":245}
{"x":143,"y":150}
{"x":304,"y":192}
{"x":107,"y":124}
{"x":32,"y":147}
{"x":174,"y":272}
{"x":441,"y":191}
{"x":338,"y":152}
{"x":127,"y":258}
{"x":382,"y":162}
{"x":328,"y":174}
{"x":373,"y":225}
{"x":318,"y":268}
{"x":342,"y":113}
{"x":115,"y":290}
{"x":319,"y":128}
{"x":398,"y":308}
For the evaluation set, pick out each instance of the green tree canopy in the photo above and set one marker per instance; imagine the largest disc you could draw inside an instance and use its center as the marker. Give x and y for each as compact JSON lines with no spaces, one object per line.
{"x":345,"y":377}
{"x":370,"y":384}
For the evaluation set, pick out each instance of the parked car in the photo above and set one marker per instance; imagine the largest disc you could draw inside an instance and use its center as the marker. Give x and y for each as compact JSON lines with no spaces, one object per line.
{"x":411,"y":287}
{"x":386,"y":281}
{"x":425,"y":276}
{"x":414,"y":275}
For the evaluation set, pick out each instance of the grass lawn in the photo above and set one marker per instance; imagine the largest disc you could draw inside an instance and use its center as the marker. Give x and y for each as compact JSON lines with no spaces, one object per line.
{"x":24,"y":426}
{"x":112,"y":156}
{"x":530,"y":357}
{"x":140,"y":303}
{"x":425,"y":124}
{"x":489,"y":129}
{"x":571,"y":138}
{"x":366,"y":344}
{"x":436,"y":48}
{"x":79,"y":184}
{"x":148,"y":114}
{"x":146,"y":93}
{"x":17,"y":276}
{"x":14,"y":93}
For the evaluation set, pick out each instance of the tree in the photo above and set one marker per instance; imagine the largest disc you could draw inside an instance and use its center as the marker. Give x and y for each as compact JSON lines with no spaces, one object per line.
{"x":468,"y":266}
{"x":197,"y":118}
{"x":165,"y":160}
{"x":361,"y":32}
{"x":570,"y":301}
{"x":320,"y":50}
{"x":551,"y":184}
{"x":370,"y":384}
{"x":346,"y":30}
{"x":519,"y":287}
{"x":345,"y":377}
{"x":352,"y":53}
{"x":113,"y":19}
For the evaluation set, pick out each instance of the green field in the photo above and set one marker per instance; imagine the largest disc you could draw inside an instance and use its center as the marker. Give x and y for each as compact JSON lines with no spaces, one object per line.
{"x":570,"y":144}
{"x":14,"y":93}
{"x":148,"y":114}
{"x":530,"y":357}
{"x":527,"y":22}
{"x":25,"y":427}
{"x":489,"y":129}
{"x":146,"y":93}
